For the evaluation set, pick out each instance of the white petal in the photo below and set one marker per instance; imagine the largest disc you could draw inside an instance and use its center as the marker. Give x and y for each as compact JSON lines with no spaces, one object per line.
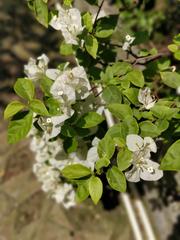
{"x":53,"y":73}
{"x":134,"y":142}
{"x":133,"y":175}
{"x":150,"y":105}
{"x":147,"y":174}
{"x":150,"y":143}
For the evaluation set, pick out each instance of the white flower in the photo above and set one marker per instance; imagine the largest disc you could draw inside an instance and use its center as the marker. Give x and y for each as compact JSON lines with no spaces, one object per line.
{"x":143,"y":167}
{"x":52,"y":125}
{"x":145,"y":98}
{"x":71,"y":84}
{"x":92,"y":154}
{"x":65,"y":195}
{"x":69,"y":22}
{"x":35,"y":69}
{"x":128,"y":41}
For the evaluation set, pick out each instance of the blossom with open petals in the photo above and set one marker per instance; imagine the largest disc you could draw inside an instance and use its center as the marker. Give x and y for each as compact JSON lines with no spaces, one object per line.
{"x":71,"y":84}
{"x":69,"y":22}
{"x":145,"y":98}
{"x":143,"y":167}
{"x":35,"y":69}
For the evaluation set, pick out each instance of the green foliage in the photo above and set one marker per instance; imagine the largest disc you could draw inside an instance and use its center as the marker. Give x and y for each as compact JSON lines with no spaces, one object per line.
{"x":124,"y":158}
{"x":171,"y":79}
{"x":19,"y":127}
{"x":38,"y":107}
{"x":120,"y":110}
{"x":105,"y":26}
{"x":66,"y":49}
{"x":135,"y":77}
{"x":45,"y":85}
{"x":112,"y":94}
{"x":24,"y":88}
{"x":13,"y":108}
{"x":87,"y":20}
{"x":89,"y":120}
{"x":171,"y":158}
{"x":116,"y":179}
{"x":75,"y":171}
{"x":82,"y":191}
{"x":106,"y":147}
{"x":91,"y":45}
{"x":95,"y":189}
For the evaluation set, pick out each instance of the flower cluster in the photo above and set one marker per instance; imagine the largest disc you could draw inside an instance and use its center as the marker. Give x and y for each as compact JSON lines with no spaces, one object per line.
{"x":64,"y":110}
{"x":143,"y":167}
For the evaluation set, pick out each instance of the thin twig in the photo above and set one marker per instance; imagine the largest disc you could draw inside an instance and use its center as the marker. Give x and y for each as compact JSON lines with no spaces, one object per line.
{"x":99,"y":9}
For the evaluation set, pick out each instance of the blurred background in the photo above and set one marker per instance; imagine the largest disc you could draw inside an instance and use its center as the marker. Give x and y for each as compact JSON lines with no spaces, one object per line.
{"x":26,"y":213}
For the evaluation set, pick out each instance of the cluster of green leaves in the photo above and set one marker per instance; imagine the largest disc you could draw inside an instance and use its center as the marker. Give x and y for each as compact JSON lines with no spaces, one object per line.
{"x":175,"y":46}
{"x":121,"y":80}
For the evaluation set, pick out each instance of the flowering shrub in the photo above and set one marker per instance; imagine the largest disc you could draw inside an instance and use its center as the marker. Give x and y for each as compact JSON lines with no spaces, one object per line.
{"x":62,"y":108}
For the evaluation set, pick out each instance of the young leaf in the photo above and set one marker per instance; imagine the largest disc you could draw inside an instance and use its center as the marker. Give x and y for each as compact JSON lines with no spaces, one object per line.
{"x":45,"y":84}
{"x":19,"y":128}
{"x":87,"y":20}
{"x":41,"y":12}
{"x":106,"y":147}
{"x":91,"y":45}
{"x":171,"y":159}
{"x":66,"y":49}
{"x":112,"y":94}
{"x":95,"y":189}
{"x":53,"y":106}
{"x":70,"y":144}
{"x":75,"y":171}
{"x":135,"y":77}
{"x":13,"y":108}
{"x":124,"y":158}
{"x":102,"y":162}
{"x":105,"y":26}
{"x":164,"y":112}
{"x":89,"y":120}
{"x":82,"y":191}
{"x":171,"y":79}
{"x":120,"y":110}
{"x":116,"y":179}
{"x":38,"y":107}
{"x":67,"y":2}
{"x":149,"y":129}
{"x":24,"y":88}
{"x":132,"y":95}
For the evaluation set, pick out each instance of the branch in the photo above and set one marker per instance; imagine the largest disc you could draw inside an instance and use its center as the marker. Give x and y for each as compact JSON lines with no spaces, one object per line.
{"x":94,"y":25}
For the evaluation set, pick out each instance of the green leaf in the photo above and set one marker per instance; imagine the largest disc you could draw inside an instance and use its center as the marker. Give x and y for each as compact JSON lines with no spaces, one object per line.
{"x":13,"y":108}
{"x":132,"y":95}
{"x":91,"y":45}
{"x":124,"y":158}
{"x":105,"y":26}
{"x":45,"y":84}
{"x":19,"y":128}
{"x":177,"y":55}
{"x":68,"y":131}
{"x":141,"y":37}
{"x":41,"y":12}
{"x":162,"y":125}
{"x":38,"y":107}
{"x":112,"y":94}
{"x":171,"y":79}
{"x":164,"y":112}
{"x":24,"y":88}
{"x":171,"y":160}
{"x":118,"y":131}
{"x":82,"y":191}
{"x":131,"y":125}
{"x":53,"y":106}
{"x":66,"y":49}
{"x":95,"y":189}
{"x":149,"y":129}
{"x":75,"y":171}
{"x":173,"y":47}
{"x":116,"y":179}
{"x":106,"y":147}
{"x":102,"y":162}
{"x":136,"y":77}
{"x":90,"y":119}
{"x":120,"y":110}
{"x":70,"y":144}
{"x":121,"y":68}
{"x":67,"y":3}
{"x":87,"y":20}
